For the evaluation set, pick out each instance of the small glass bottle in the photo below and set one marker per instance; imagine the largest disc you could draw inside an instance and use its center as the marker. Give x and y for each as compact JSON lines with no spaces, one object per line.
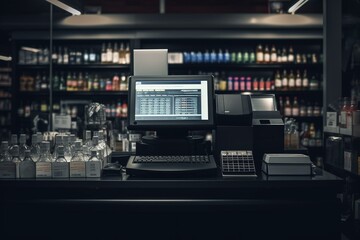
{"x":43,"y":165}
{"x":259,"y":54}
{"x":23,"y":146}
{"x":295,"y":108}
{"x":77,"y":163}
{"x":35,"y":148}
{"x":60,"y":167}
{"x":15,"y":153}
{"x":287,"y":109}
{"x":27,"y":166}
{"x":93,"y":165}
{"x":278,"y":82}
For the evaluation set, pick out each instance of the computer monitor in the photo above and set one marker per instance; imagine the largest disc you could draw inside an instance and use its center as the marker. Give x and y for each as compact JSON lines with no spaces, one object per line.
{"x":263,"y":102}
{"x":169,"y":103}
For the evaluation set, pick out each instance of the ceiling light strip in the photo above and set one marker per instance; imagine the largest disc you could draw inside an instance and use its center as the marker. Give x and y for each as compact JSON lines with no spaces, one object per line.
{"x":65,"y":7}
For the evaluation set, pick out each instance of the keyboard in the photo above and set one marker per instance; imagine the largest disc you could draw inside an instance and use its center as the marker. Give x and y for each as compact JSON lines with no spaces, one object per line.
{"x":237,"y":164}
{"x":149,"y":166}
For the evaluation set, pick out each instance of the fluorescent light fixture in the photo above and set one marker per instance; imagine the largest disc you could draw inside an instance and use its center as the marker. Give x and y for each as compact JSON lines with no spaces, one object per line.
{"x":296,"y":6}
{"x":30,"y":49}
{"x":65,"y":7}
{"x":5,"y":58}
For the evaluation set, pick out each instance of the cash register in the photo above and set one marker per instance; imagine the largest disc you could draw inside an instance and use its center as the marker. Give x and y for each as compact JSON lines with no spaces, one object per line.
{"x":176,"y":105}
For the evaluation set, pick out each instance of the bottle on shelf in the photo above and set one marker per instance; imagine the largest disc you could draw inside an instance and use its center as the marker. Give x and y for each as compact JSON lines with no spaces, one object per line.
{"x":314,"y":83}
{"x":255,"y":84}
{"x":262,"y":84}
{"x":103,"y":53}
{"x":23,"y":146}
{"x":242,"y":83}
{"x":284,"y":82}
{"x":309,"y":110}
{"x":248,"y":83}
{"x":86,"y":56}
{"x":127,"y":54}
{"x":4,"y":152}
{"x":303,"y":109}
{"x":230,"y":83}
{"x":291,"y":81}
{"x":298,"y":82}
{"x":287,"y":108}
{"x":316,"y":110}
{"x":295,"y":108}
{"x":35,"y":148}
{"x":236,"y":83}
{"x":278,"y":81}
{"x":66,"y":56}
{"x":239,"y":58}
{"x":15,"y":158}
{"x":220,"y":57}
{"x":93,"y":165}
{"x":284,"y":56}
{"x":279,"y":56}
{"x":222,"y":82}
{"x":92,"y":56}
{"x":109,"y":53}
{"x":246,"y":56}
{"x":281,"y":106}
{"x":252,"y":57}
{"x":268,"y":84}
{"x":305,"y":80}
{"x":267,"y":54}
{"x":273,"y":57}
{"x":291,"y":55}
{"x":115,"y":55}
{"x":13,"y":143}
{"x":27,"y":166}
{"x":60,"y":167}
{"x":77,"y":163}
{"x":305,"y":135}
{"x":259,"y":54}
{"x":312,"y":135}
{"x":43,"y":165}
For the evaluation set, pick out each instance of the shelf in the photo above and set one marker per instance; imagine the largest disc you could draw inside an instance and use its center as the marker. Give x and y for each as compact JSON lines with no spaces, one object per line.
{"x":90,"y":93}
{"x":354,"y":132}
{"x":277,"y":92}
{"x":244,"y":65}
{"x":78,"y":93}
{"x":76,"y":66}
{"x":305,"y":118}
{"x":5,"y":70}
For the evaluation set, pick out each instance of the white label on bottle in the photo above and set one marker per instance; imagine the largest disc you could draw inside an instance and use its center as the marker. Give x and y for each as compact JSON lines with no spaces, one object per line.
{"x":60,"y":170}
{"x":290,"y":58}
{"x":77,"y":169}
{"x":347,"y":160}
{"x":298,"y":82}
{"x":127,"y":58}
{"x":291,"y":82}
{"x":104,"y":57}
{"x":115,"y":57}
{"x":27,"y":169}
{"x":295,"y":112}
{"x":260,"y":56}
{"x":278,"y":83}
{"x":109,"y":56}
{"x":43,"y":169}
{"x":287,"y":111}
{"x":267,"y":57}
{"x":7,"y":170}
{"x":343,"y":119}
{"x":93,"y":169}
{"x":284,"y":82}
{"x":273,"y":57}
{"x":349,"y":121}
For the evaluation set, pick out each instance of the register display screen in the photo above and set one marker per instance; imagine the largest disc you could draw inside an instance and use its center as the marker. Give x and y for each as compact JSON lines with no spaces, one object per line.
{"x":170,"y":101}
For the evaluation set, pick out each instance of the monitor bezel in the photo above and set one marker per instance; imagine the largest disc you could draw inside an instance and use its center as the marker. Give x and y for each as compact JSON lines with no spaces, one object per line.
{"x":155,"y":125}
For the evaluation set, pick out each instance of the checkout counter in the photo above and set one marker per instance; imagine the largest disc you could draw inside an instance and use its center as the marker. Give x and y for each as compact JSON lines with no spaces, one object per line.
{"x":123,"y":207}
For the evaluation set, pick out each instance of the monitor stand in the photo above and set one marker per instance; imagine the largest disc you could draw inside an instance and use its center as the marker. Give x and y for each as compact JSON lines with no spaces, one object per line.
{"x":173,"y":142}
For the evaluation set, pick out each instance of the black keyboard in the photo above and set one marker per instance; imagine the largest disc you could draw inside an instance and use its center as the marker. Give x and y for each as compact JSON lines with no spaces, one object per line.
{"x":148,"y":166}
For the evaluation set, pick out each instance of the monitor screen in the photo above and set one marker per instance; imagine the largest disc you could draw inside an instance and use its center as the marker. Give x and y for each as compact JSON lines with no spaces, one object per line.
{"x":175,"y":101}
{"x":263,"y":102}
